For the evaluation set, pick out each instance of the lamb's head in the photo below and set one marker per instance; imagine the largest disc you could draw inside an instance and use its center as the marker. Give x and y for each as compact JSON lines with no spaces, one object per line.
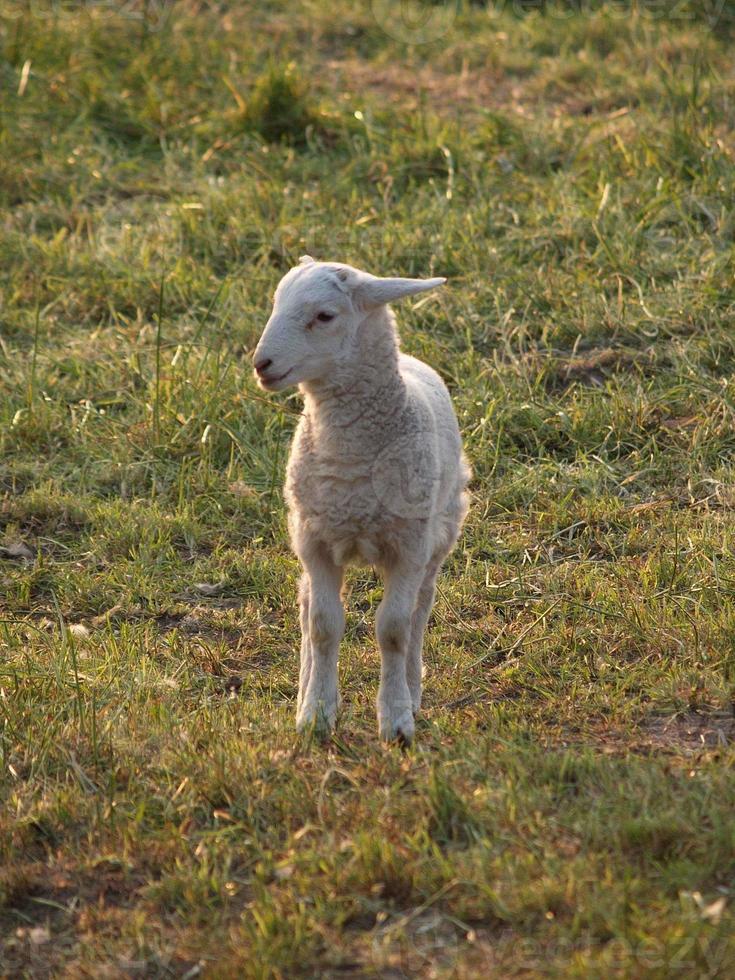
{"x":318,"y":311}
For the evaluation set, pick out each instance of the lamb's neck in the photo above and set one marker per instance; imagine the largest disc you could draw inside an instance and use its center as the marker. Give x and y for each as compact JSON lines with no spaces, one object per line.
{"x":365,"y":395}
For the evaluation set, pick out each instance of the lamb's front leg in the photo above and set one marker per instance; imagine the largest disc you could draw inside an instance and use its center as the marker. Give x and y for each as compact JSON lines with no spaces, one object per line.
{"x":393,"y":626}
{"x":421,"y":614}
{"x":323,"y":623}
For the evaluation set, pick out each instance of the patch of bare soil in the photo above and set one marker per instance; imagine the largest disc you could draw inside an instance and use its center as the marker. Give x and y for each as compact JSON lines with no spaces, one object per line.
{"x":218,"y":646}
{"x":195,"y":623}
{"x":48,"y":910}
{"x":473,"y":89}
{"x":690,"y":732}
{"x":686,"y":735}
{"x":593,"y":367}
{"x":61,"y":918}
{"x":410,"y":86}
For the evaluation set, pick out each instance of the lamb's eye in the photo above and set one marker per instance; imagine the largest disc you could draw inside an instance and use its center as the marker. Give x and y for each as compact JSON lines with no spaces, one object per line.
{"x":324,"y":317}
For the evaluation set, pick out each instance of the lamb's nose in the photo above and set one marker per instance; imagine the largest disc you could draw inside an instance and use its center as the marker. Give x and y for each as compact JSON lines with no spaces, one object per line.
{"x":263,"y":364}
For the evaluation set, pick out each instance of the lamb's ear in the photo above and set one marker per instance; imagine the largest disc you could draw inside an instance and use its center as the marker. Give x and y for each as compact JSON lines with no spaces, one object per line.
{"x":370,"y":291}
{"x":306,"y":260}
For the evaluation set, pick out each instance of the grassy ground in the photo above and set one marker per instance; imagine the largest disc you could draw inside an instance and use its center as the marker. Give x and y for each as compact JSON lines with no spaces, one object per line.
{"x":568,"y":807}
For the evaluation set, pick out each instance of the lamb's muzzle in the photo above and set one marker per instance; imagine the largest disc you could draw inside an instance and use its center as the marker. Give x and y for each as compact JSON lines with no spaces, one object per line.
{"x":376,"y":475}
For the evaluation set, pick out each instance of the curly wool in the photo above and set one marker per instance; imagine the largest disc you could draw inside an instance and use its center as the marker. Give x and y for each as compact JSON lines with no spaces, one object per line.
{"x":332,"y":488}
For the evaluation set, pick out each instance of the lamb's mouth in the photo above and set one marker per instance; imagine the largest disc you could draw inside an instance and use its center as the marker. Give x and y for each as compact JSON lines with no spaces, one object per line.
{"x":270,"y":380}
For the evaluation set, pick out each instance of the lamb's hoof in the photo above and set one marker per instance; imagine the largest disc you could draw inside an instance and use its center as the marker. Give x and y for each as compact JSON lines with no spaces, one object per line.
{"x":398,"y":728}
{"x":317,"y":719}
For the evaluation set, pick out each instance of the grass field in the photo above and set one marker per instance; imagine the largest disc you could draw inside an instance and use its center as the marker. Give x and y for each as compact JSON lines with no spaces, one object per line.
{"x":568,"y":809}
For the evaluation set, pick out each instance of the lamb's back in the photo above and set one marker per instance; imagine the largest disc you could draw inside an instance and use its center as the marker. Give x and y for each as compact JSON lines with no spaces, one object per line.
{"x":424,"y":385}
{"x":451,"y":500}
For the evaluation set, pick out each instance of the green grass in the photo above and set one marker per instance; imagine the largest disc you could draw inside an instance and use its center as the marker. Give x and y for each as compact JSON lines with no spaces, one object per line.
{"x":567,"y":810}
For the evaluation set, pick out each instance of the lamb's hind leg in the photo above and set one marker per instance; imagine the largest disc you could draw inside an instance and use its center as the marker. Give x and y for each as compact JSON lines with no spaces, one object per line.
{"x":450,"y":528}
{"x":305,"y":667}
{"x":393,"y":627}
{"x":326,"y":623}
{"x":419,"y":621}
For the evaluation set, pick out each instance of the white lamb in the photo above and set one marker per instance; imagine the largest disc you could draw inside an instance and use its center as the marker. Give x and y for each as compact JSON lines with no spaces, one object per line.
{"x":376,"y":475}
